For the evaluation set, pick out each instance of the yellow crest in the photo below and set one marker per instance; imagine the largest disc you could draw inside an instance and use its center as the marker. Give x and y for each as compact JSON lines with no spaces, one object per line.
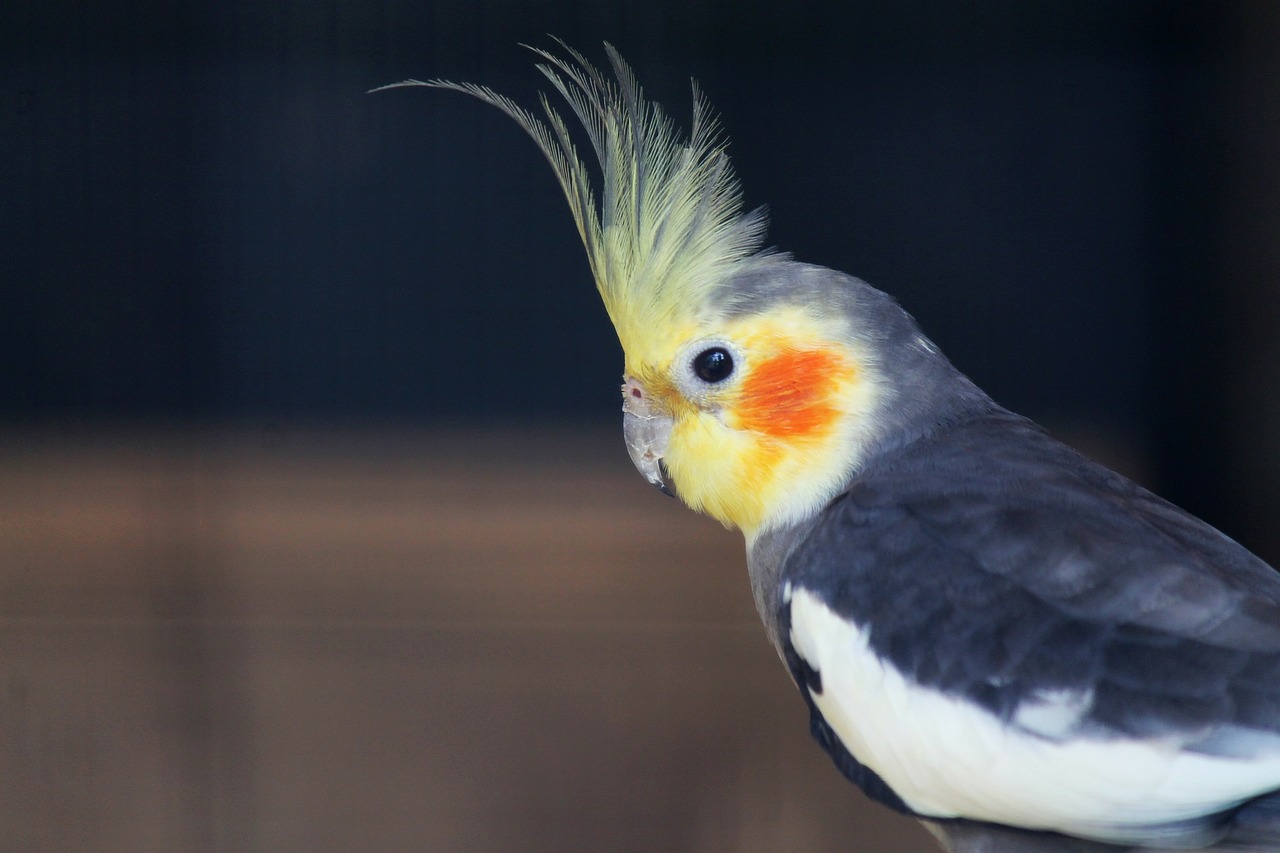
{"x":668,"y":225}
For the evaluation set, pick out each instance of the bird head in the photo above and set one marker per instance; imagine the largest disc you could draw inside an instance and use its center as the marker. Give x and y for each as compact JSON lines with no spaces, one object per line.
{"x":752,"y":383}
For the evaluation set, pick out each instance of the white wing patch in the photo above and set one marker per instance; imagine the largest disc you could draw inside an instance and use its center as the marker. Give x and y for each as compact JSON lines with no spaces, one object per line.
{"x":1054,"y":713}
{"x":946,"y":757}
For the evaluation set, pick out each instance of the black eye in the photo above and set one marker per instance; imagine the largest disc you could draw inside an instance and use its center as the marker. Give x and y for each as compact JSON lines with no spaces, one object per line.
{"x":713,"y":365}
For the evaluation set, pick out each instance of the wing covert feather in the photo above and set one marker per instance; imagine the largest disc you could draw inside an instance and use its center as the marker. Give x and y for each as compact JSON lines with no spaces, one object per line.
{"x":992,"y":561}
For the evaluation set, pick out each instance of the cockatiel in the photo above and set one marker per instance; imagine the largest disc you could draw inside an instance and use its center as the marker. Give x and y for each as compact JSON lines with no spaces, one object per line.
{"x":986,"y":626}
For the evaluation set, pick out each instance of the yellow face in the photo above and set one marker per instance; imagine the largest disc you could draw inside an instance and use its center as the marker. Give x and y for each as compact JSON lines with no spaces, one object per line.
{"x":768,"y":412}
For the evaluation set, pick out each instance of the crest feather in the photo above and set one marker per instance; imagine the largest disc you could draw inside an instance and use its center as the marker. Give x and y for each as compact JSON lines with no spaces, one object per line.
{"x":669,"y":224}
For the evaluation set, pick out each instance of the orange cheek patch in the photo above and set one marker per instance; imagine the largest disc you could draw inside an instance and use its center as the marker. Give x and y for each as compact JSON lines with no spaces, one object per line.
{"x":790,"y":394}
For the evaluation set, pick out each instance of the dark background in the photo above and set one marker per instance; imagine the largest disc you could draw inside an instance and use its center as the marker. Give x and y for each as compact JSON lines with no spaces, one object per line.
{"x":208,"y":219}
{"x":316,"y":531}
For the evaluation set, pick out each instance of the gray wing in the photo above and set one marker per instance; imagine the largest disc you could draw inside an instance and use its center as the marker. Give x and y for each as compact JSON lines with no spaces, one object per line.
{"x":992,"y":562}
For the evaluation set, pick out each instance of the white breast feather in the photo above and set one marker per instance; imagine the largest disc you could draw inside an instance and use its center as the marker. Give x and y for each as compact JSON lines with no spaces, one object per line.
{"x":946,"y":757}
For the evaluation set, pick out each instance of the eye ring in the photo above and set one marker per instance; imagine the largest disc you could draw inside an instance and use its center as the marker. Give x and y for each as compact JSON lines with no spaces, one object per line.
{"x":713,"y":365}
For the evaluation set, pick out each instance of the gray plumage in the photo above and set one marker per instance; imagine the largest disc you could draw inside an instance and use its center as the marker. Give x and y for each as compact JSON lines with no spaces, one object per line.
{"x":989,"y":562}
{"x":1000,"y":626}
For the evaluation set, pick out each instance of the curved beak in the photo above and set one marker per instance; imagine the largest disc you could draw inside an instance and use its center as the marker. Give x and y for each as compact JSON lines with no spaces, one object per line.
{"x":646,"y":429}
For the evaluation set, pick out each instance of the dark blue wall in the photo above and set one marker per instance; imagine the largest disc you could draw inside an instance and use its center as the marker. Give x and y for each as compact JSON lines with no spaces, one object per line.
{"x":208,"y":218}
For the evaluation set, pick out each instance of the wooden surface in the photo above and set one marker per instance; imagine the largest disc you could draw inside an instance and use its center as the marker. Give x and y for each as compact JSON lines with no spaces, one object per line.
{"x":288,"y":640}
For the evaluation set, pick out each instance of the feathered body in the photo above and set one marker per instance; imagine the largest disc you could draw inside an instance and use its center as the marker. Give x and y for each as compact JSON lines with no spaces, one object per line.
{"x":985,"y":625}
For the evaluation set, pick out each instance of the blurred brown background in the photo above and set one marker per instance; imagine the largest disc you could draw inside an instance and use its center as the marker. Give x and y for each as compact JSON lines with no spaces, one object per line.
{"x":316,"y":529}
{"x":462,"y":641}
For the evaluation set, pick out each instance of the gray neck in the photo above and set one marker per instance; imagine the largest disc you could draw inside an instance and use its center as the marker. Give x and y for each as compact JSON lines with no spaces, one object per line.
{"x":927,"y":394}
{"x":765,"y":558}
